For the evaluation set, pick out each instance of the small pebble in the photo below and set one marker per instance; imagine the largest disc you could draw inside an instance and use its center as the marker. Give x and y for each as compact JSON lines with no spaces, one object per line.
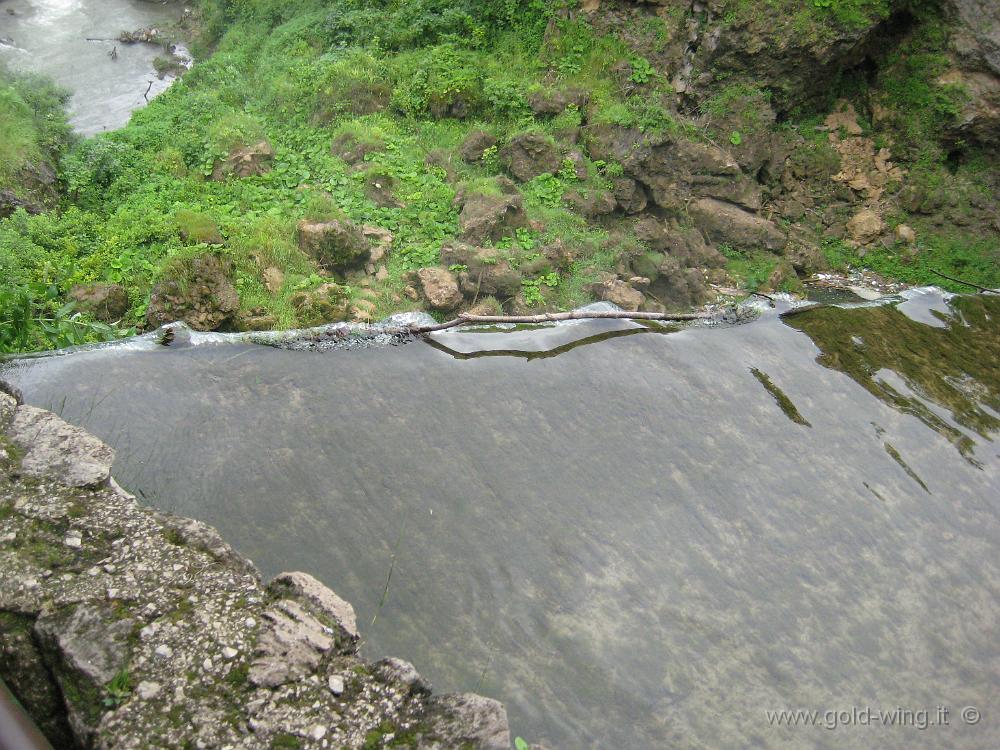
{"x":229,"y":652}
{"x":164,"y":651}
{"x":318,"y":732}
{"x":336,"y":683}
{"x":148,"y":690}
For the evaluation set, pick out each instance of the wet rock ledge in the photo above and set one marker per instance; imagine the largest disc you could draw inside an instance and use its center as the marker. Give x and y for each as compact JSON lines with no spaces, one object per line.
{"x":123,"y":627}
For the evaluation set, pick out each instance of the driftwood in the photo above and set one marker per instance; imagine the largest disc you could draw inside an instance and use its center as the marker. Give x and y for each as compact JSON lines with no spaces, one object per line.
{"x":466,"y":319}
{"x":148,"y":89}
{"x":984,"y":289}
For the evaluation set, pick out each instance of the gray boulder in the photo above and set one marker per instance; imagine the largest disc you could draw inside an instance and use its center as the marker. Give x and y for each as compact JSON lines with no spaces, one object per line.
{"x":726,"y":223}
{"x":56,"y":450}
{"x":486,"y":218}
{"x":467,"y":720}
{"x":530,"y":155}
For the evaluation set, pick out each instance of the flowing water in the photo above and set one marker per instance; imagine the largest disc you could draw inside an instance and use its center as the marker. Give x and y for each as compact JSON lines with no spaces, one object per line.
{"x":634,"y":539}
{"x":51,"y":37}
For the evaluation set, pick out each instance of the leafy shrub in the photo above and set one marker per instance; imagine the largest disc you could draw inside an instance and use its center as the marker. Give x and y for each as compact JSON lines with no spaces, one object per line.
{"x":32,"y":121}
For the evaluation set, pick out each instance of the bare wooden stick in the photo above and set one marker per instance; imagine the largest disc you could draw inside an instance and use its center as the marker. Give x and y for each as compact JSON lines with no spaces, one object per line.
{"x":985,"y":289}
{"x":466,"y":319}
{"x":148,"y":89}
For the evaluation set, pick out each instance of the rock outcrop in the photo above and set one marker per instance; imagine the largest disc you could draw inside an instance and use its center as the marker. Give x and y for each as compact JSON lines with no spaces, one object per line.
{"x":246,"y":161}
{"x":105,"y":302}
{"x":439,"y":288}
{"x":530,"y":155}
{"x":486,"y":218}
{"x":336,"y":245}
{"x":198,"y":291}
{"x":123,"y":627}
{"x":327,"y":303}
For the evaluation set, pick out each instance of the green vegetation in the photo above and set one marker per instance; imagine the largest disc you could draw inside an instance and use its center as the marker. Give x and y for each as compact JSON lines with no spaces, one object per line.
{"x":785,"y":403}
{"x":118,"y":689}
{"x":32,"y":121}
{"x":366,"y":106}
{"x":937,"y":361}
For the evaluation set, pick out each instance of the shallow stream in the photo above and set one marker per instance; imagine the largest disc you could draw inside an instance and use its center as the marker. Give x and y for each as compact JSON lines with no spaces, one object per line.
{"x":51,"y":37}
{"x":647,"y":540}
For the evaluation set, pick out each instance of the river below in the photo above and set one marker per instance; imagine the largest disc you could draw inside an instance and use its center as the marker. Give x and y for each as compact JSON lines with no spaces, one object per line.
{"x":633,"y":539}
{"x":51,"y":37}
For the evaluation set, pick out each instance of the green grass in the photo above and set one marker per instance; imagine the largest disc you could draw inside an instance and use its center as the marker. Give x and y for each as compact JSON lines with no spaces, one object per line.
{"x":407,"y":81}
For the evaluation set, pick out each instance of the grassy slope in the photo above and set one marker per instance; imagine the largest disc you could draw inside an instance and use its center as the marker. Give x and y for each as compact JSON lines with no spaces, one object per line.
{"x":302,"y":73}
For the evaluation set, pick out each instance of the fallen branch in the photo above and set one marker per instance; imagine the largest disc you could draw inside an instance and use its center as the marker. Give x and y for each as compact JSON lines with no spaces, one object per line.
{"x":466,"y":319}
{"x":148,"y":88}
{"x":983,"y":289}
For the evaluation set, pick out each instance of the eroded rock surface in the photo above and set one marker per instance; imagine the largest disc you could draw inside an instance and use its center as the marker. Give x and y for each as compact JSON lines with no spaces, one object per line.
{"x":198,"y":291}
{"x":122,"y":627}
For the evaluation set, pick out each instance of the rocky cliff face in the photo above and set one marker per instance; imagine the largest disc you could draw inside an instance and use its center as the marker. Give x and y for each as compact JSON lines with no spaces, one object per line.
{"x":122,"y":627}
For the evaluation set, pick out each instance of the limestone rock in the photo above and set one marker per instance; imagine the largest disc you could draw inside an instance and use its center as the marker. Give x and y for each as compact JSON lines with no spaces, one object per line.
{"x":619,"y":293}
{"x":57,"y":450}
{"x":351,"y":149}
{"x":531,"y":154}
{"x":198,"y":292}
{"x":545,"y":103}
{"x":726,"y":223}
{"x":106,"y":302}
{"x":379,"y":187}
{"x":400,"y":672}
{"x":440,"y":288}
{"x":475,"y":145}
{"x":274,"y":279}
{"x":8,"y":405}
{"x":672,"y":169}
{"x":905,"y":234}
{"x":167,"y":600}
{"x":322,"y":600}
{"x":10,"y":202}
{"x":248,"y":161}
{"x":292,"y":645}
{"x":631,"y":196}
{"x":337,"y":245}
{"x":486,"y":272}
{"x":327,"y":303}
{"x":487,"y":218}
{"x":470,"y":719}
{"x":85,"y":661}
{"x":865,"y":226}
{"x":592,"y":203}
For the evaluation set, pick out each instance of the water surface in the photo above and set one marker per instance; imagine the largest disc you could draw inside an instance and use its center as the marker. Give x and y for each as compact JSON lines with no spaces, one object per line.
{"x":631,"y":543}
